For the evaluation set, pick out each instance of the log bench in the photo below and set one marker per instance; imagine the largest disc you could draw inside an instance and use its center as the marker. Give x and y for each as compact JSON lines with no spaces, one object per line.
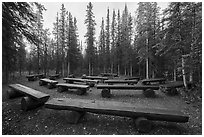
{"x":31,"y":77}
{"x":148,"y":90}
{"x":95,"y":78}
{"x":109,"y":75}
{"x":169,"y":88}
{"x":81,"y":89}
{"x":40,"y":76}
{"x":54,"y":77}
{"x":154,"y":81}
{"x":32,"y":99}
{"x":48,"y":82}
{"x":129,"y":82}
{"x":89,"y":82}
{"x":35,"y":77}
{"x":141,"y":116}
{"x":132,"y":78}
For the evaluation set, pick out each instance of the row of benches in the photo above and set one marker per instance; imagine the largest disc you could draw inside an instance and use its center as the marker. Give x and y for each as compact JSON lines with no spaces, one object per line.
{"x":142,"y":116}
{"x":34,"y":77}
{"x":148,"y":90}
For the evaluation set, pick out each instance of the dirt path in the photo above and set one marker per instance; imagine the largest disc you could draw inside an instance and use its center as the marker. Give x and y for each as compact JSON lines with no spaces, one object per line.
{"x":46,"y":121}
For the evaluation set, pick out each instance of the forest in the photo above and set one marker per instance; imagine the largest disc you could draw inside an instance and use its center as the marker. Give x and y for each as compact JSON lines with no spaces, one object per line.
{"x":148,"y":44}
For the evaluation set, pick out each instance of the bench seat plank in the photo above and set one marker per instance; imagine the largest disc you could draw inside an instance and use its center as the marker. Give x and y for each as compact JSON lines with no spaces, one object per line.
{"x":48,"y":80}
{"x":132,"y":78}
{"x":96,"y":77}
{"x":116,"y":108}
{"x":174,"y":84}
{"x":109,"y":75}
{"x":80,"y":80}
{"x":72,"y":85}
{"x":137,"y":87}
{"x":29,"y":91}
{"x":121,"y":81}
{"x":155,"y":80}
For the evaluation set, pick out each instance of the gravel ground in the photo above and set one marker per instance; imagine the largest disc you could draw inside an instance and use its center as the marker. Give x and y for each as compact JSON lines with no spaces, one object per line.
{"x":46,"y":121}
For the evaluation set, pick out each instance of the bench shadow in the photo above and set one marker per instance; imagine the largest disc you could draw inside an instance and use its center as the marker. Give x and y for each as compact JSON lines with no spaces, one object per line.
{"x":162,"y":127}
{"x":74,"y":92}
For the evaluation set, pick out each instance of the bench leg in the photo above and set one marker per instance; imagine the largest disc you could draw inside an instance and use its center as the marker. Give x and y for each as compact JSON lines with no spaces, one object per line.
{"x":41,"y":83}
{"x":105,"y":93}
{"x":149,"y":93}
{"x":91,"y":84}
{"x":75,"y":116}
{"x":171,"y":91}
{"x":50,"y":85}
{"x":31,"y":79}
{"x":28,"y":103}
{"x":143,"y":125}
{"x":11,"y":93}
{"x":81,"y":91}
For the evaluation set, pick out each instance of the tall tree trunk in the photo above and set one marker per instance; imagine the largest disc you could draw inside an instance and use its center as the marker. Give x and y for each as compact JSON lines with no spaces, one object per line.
{"x":92,"y":70}
{"x":174,"y":73}
{"x":125,"y":71}
{"x":147,"y":66}
{"x":38,"y":69}
{"x":89,"y":68}
{"x":153,"y":74}
{"x":29,"y":67}
{"x":192,"y":42}
{"x":131,"y":69}
{"x":68,"y":68}
{"x":118,"y":69}
{"x":112,"y":67}
{"x":147,"y":61}
{"x":183,"y":70}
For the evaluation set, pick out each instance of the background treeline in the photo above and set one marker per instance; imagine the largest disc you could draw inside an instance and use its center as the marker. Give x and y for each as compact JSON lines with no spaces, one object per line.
{"x":149,"y":43}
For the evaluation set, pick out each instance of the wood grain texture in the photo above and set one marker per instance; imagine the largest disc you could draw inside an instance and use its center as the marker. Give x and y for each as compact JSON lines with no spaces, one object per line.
{"x":130,"y":87}
{"x":116,"y":108}
{"x":49,"y":81}
{"x":74,"y":86}
{"x":29,"y":91}
{"x":121,"y":81}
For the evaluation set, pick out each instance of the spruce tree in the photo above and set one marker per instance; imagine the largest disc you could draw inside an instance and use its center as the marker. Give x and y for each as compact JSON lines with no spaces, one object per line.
{"x":90,"y":38}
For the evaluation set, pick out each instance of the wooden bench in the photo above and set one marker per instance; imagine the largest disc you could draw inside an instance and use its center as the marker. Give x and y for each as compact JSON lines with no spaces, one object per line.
{"x":81,"y":89}
{"x":54,"y":77}
{"x":95,"y":78}
{"x":148,"y":90}
{"x":48,"y":82}
{"x":109,"y":75}
{"x":32,"y":99}
{"x":129,"y":82}
{"x":132,"y":78}
{"x":89,"y":82}
{"x":40,"y":76}
{"x":154,"y":81}
{"x":141,"y":116}
{"x":31,"y":77}
{"x":169,"y":88}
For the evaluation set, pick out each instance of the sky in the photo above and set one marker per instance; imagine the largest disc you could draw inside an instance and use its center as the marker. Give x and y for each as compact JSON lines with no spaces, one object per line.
{"x":78,"y":10}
